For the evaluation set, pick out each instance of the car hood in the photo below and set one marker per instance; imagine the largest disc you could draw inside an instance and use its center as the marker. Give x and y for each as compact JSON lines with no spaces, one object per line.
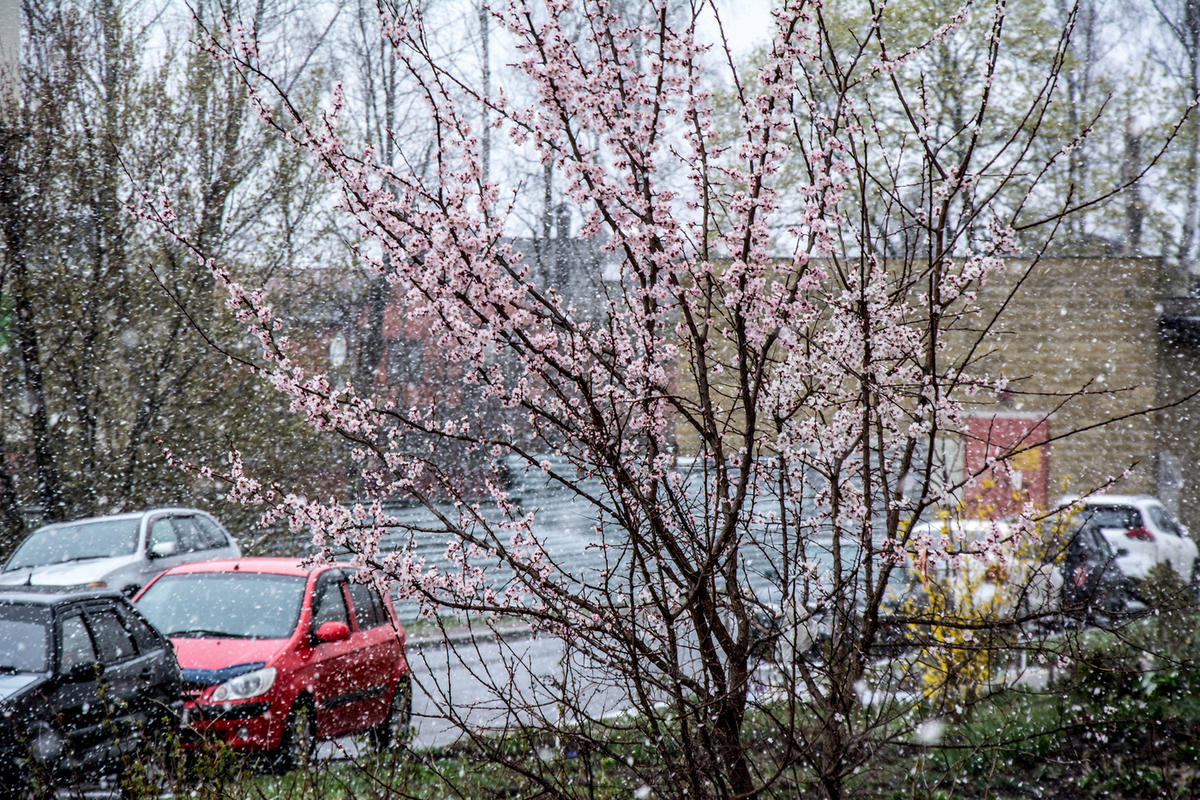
{"x":15,"y":683}
{"x":67,"y":573}
{"x":220,"y":654}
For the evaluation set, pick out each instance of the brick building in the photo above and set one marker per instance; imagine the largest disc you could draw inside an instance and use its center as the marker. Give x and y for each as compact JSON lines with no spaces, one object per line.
{"x":1088,"y":341}
{"x":1085,"y":340}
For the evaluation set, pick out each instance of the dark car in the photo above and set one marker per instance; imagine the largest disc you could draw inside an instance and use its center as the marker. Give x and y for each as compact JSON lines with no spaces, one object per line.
{"x":277,"y":653}
{"x":1092,"y":582}
{"x":85,"y":682}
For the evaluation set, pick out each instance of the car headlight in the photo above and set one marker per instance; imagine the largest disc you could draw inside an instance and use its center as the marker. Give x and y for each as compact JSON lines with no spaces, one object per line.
{"x":252,"y":684}
{"x":45,"y":744}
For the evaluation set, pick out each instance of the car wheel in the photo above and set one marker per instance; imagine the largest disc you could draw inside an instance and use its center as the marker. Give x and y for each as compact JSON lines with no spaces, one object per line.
{"x":31,"y":787}
{"x":396,"y":729}
{"x":150,"y":766}
{"x":298,"y":743}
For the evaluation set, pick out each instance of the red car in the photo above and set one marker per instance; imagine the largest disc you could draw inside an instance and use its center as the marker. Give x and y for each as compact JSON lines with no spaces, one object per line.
{"x":276,"y":654}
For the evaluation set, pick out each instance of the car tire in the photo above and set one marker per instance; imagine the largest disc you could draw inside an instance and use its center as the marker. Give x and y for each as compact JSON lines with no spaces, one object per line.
{"x":1195,"y":581}
{"x":298,"y":743}
{"x":28,"y":787}
{"x":396,"y":729}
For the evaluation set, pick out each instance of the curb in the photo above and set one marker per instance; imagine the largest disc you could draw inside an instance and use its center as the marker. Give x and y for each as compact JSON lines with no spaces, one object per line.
{"x":459,"y":634}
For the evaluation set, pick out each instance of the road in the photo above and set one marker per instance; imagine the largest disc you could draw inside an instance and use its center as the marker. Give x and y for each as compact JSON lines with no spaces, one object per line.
{"x":457,"y":683}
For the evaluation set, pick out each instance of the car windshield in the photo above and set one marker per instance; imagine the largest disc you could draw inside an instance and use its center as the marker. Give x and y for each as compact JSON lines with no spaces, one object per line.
{"x":24,"y":638}
{"x":75,"y":541}
{"x":1122,"y":517}
{"x":240,"y":605}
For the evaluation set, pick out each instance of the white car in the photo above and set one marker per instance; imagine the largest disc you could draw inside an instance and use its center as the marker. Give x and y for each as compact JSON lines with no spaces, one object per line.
{"x":1141,"y":532}
{"x":122,"y":552}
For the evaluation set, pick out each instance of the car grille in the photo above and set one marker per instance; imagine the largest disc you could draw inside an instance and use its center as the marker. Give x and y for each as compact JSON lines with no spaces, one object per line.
{"x":192,"y":691}
{"x":228,"y":711}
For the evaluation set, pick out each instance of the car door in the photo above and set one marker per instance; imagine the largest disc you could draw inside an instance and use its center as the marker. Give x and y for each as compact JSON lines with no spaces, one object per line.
{"x":160,"y":679}
{"x":379,"y":651}
{"x":163,"y":548}
{"x":1087,"y":560}
{"x":334,"y":664}
{"x":76,"y":698}
{"x":126,"y":677}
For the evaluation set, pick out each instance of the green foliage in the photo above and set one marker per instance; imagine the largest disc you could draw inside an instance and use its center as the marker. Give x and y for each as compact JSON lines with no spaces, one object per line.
{"x":1149,"y":669}
{"x":122,"y":373}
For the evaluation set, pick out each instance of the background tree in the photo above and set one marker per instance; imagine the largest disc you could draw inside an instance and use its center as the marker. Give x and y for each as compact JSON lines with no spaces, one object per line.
{"x":107,"y":368}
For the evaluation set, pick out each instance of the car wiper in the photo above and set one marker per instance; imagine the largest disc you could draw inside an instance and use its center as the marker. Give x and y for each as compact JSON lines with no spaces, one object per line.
{"x":202,"y":633}
{"x":6,"y":669}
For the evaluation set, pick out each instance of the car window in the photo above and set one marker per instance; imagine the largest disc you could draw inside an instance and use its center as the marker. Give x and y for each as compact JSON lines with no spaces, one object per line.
{"x":162,"y":532}
{"x":74,"y":643}
{"x":1160,"y":517}
{"x":144,"y":637}
{"x":113,"y":642}
{"x":247,"y":605}
{"x":1095,"y":546}
{"x":368,"y":608}
{"x":24,"y":638}
{"x":54,"y":544}
{"x":188,"y":534}
{"x":210,"y":533}
{"x":1112,"y":516}
{"x":329,"y":604}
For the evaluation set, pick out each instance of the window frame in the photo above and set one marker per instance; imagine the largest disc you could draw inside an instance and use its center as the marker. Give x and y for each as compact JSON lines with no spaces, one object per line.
{"x":337,"y":579}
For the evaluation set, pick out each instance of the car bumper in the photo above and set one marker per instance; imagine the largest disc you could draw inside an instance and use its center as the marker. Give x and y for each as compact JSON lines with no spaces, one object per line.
{"x":250,"y":725}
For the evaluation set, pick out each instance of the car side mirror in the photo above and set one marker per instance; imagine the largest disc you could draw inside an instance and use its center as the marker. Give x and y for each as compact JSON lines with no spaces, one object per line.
{"x":83,"y":672}
{"x":333,"y":631}
{"x":162,"y":549}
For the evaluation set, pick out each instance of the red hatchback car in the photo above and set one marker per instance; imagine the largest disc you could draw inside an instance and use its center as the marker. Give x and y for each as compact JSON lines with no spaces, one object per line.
{"x":276,"y":654}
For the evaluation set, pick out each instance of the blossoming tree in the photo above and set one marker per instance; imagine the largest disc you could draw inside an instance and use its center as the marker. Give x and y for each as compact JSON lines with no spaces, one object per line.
{"x":749,"y":412}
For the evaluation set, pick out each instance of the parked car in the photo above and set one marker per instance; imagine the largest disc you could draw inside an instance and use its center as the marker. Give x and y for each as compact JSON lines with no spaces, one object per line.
{"x":1092,"y":584}
{"x":1141,"y":533}
{"x":276,"y":654}
{"x":1071,"y":569}
{"x":85,"y":683}
{"x":119,"y":552}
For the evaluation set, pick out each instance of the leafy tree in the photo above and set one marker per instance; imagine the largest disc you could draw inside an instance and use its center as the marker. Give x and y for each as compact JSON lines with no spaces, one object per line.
{"x":749,"y":414}
{"x":107,"y":368}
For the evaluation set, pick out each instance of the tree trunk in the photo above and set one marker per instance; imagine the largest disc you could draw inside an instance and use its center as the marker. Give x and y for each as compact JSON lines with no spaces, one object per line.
{"x":12,"y":208}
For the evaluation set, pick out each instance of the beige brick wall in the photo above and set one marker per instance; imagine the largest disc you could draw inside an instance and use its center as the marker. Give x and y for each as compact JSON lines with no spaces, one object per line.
{"x":1178,"y":429}
{"x":1079,"y":342}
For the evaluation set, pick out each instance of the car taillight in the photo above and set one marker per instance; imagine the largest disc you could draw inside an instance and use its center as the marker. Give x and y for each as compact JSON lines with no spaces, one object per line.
{"x":1140,"y":533}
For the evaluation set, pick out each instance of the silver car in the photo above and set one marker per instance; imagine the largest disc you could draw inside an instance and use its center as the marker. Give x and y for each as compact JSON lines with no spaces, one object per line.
{"x":1142,"y":533}
{"x":122,"y":551}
